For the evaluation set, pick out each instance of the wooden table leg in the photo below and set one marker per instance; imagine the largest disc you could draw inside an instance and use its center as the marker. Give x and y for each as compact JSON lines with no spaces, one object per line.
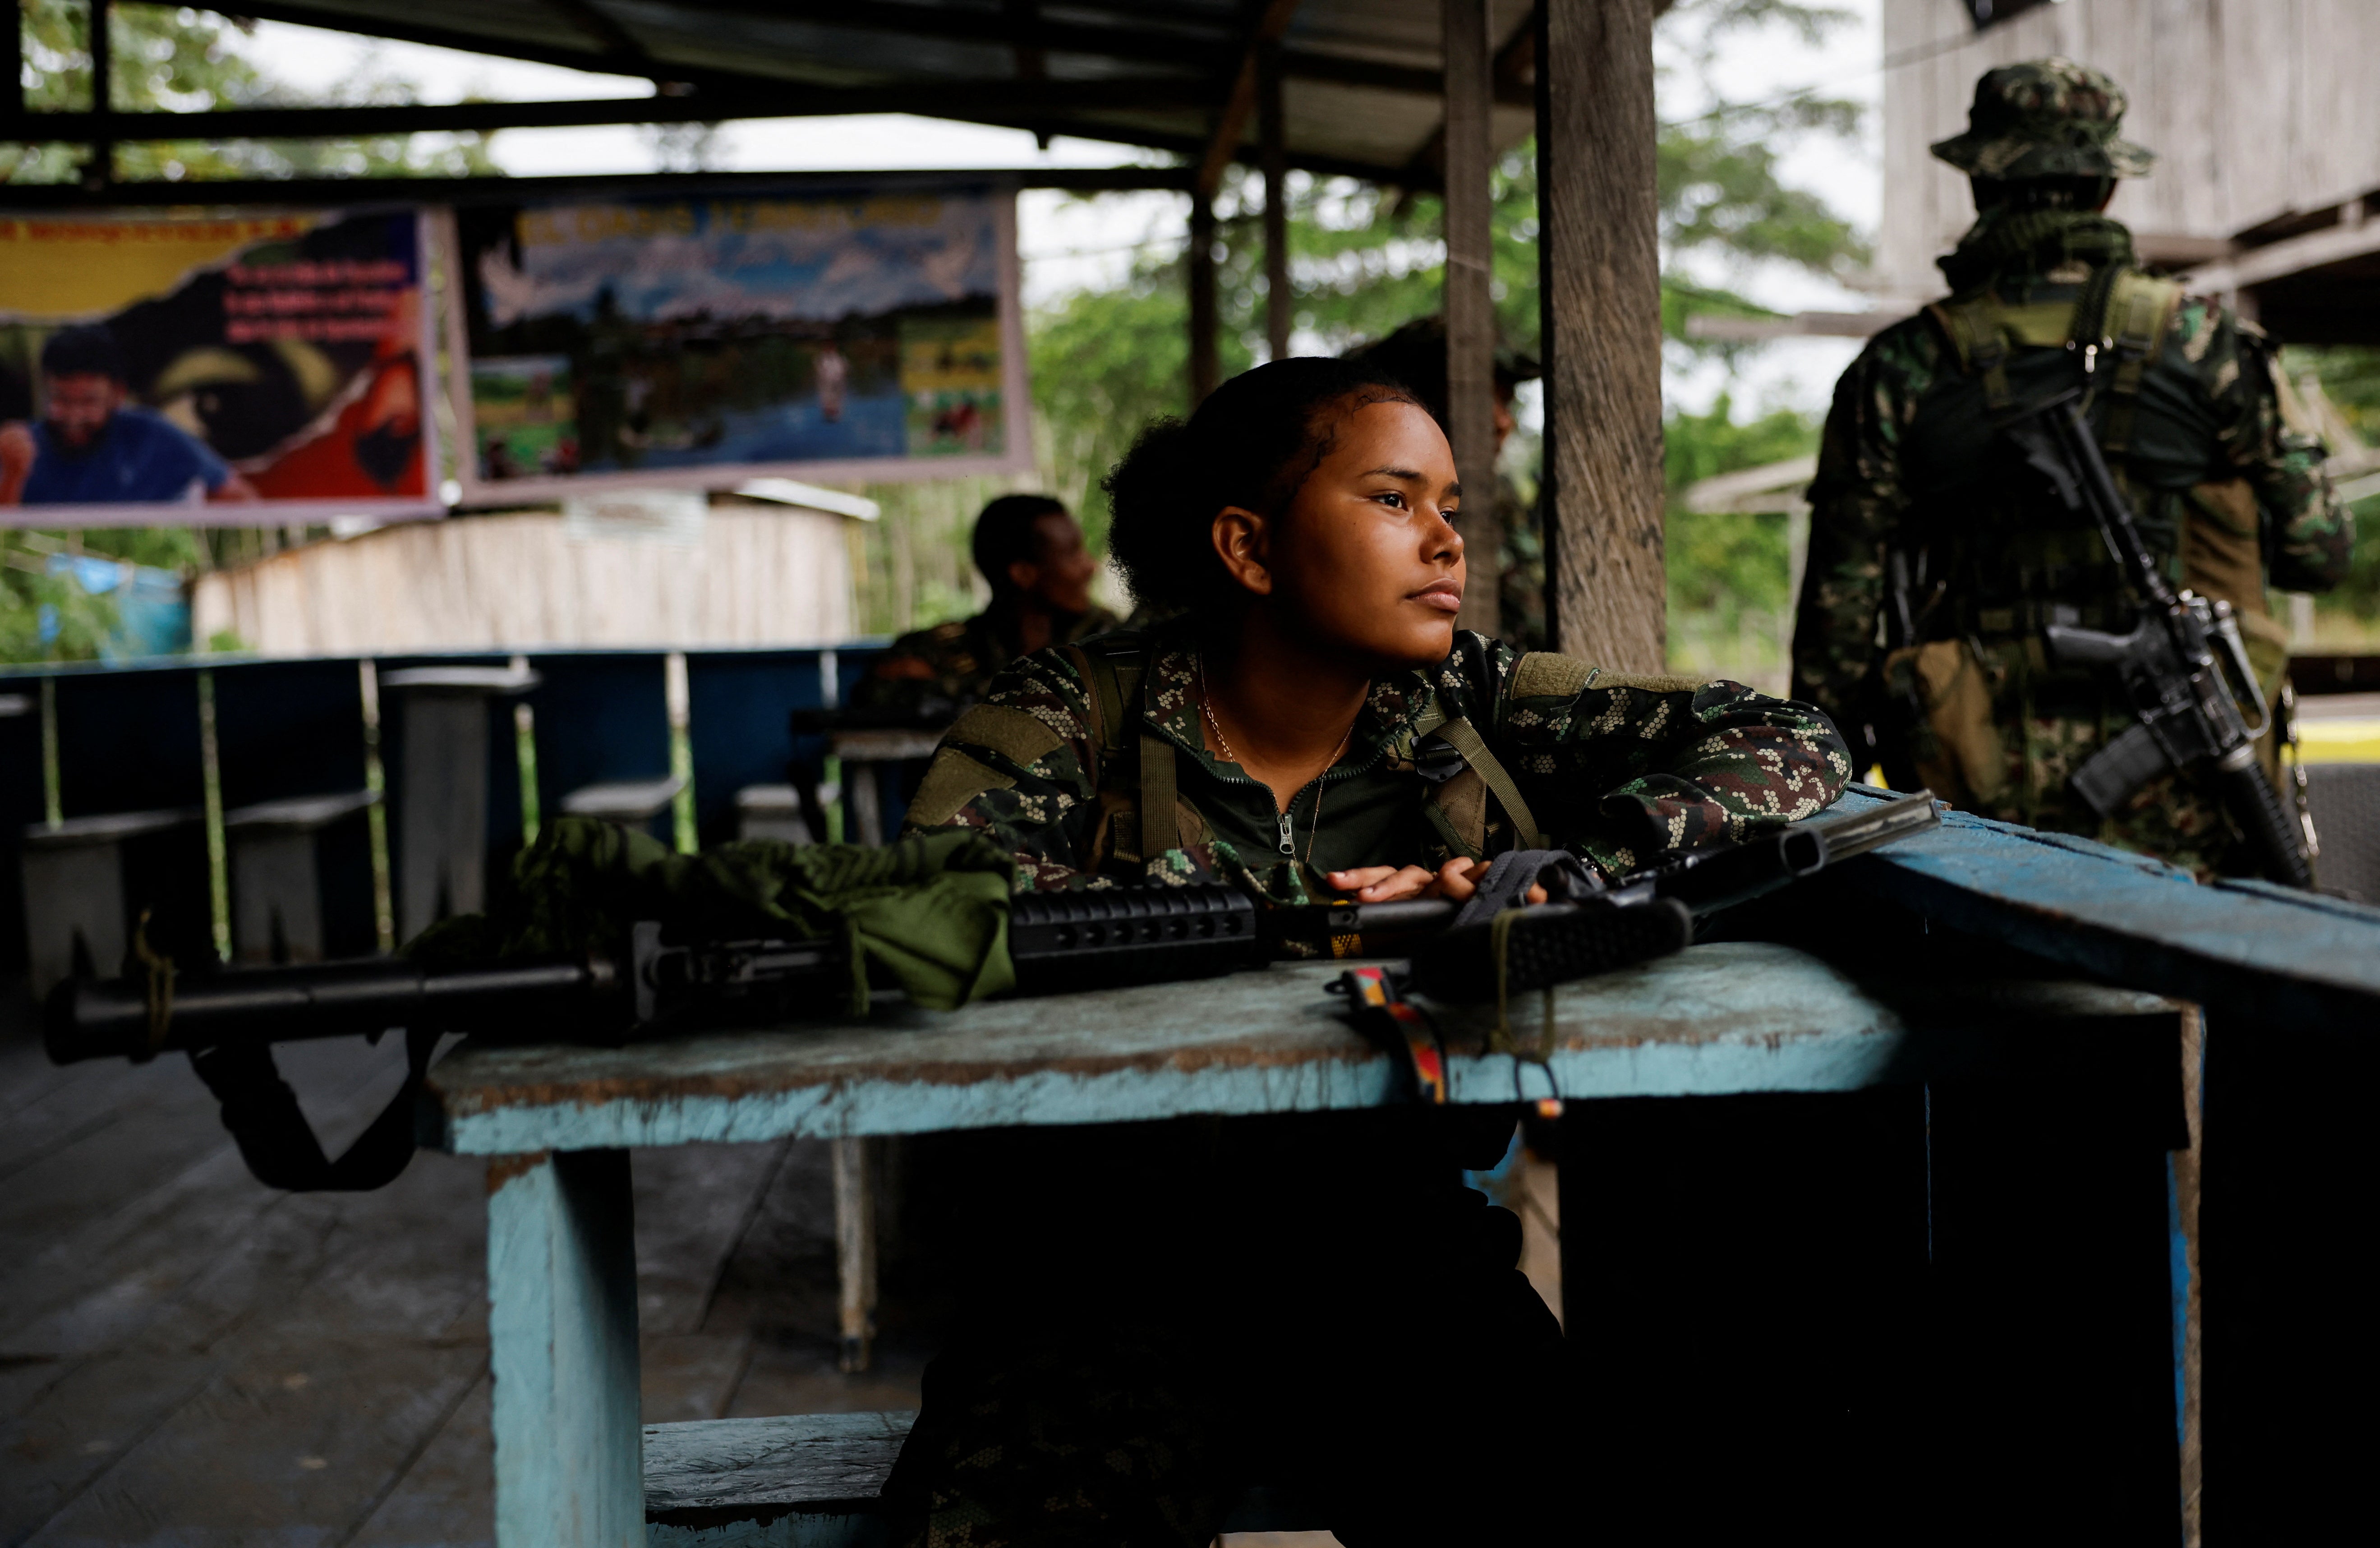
{"x":855,"y":1164}
{"x":561,"y":1332}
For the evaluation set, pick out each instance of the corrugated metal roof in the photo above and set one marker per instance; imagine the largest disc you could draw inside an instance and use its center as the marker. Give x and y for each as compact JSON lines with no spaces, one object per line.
{"x":1359,"y":89}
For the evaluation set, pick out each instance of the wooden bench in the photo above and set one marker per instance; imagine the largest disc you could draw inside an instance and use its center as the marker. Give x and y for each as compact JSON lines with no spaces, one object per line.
{"x":632,"y":803}
{"x":276,"y":874}
{"x":78,"y":905}
{"x":800,"y":1480}
{"x":442,"y":785}
{"x":814,"y":1481}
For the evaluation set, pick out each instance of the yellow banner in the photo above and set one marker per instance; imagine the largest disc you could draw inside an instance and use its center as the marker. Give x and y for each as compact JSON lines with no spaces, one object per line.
{"x":69,"y":270}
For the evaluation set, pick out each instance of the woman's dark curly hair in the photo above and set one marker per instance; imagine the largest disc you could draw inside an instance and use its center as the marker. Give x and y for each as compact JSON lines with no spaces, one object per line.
{"x":1252,"y":443}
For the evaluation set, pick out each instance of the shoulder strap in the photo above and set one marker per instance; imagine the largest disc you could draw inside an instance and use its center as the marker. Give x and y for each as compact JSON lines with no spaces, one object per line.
{"x":1158,"y":830}
{"x":2140,"y":309}
{"x":1972,"y":327}
{"x":1464,"y":738}
{"x":1111,"y":682}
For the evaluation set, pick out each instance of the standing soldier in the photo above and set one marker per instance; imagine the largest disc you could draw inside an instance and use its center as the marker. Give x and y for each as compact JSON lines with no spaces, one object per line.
{"x":1938,"y":560}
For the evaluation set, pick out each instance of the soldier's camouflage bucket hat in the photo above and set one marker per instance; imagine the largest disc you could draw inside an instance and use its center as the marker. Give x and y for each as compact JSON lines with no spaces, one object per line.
{"x":2045,"y":119}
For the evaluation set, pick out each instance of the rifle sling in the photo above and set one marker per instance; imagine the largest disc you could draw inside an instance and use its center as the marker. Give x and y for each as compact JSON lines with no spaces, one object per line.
{"x":273,"y":1138}
{"x":1464,"y":738}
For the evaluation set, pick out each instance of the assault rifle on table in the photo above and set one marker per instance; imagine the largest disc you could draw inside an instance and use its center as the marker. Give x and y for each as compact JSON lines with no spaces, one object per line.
{"x":227,"y":1021}
{"x":2183,"y":665}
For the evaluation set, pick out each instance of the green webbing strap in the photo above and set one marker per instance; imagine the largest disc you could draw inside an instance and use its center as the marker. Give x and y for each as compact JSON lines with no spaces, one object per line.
{"x":1114,"y":690}
{"x":2138,"y":310}
{"x":1974,"y":330}
{"x":1460,"y":736}
{"x":1157,"y":833}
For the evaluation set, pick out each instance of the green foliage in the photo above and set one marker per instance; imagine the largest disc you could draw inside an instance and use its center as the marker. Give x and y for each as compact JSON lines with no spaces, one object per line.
{"x":173,"y":57}
{"x":2350,"y":377}
{"x":1731,"y":607}
{"x":34,"y":603}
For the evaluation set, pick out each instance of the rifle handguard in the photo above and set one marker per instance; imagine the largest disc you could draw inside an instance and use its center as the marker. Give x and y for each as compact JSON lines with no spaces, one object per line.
{"x":1550,"y":944}
{"x":1096,"y":939}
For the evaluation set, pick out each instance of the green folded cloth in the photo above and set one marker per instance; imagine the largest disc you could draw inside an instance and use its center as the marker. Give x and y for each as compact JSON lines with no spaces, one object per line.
{"x":931,"y":909}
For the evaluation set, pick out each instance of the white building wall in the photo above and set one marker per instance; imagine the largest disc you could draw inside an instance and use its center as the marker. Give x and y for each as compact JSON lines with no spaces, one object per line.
{"x":757,"y":576}
{"x":2256,"y":109}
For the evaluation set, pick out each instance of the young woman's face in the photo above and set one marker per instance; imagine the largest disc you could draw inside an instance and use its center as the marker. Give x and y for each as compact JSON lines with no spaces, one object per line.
{"x":1366,"y":559}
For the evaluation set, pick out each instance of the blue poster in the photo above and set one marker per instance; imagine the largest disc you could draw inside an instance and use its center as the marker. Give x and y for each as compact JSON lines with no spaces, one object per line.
{"x":700,"y":340}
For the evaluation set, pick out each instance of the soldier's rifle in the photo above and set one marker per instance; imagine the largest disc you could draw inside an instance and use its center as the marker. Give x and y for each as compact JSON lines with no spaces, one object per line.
{"x":2183,"y":665}
{"x":228,"y":1021}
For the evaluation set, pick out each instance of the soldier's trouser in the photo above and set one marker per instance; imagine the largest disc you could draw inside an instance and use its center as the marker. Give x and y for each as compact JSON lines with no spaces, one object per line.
{"x":1146,"y":1344}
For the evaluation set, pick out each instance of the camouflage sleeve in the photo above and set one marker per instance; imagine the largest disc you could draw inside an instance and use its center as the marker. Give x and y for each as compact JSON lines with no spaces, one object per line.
{"x":1633,"y":765}
{"x":2270,"y":437}
{"x":1854,"y":505}
{"x":1018,"y":767}
{"x":911,"y":673}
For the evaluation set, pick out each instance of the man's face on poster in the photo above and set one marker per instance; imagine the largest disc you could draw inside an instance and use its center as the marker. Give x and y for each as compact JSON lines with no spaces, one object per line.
{"x":80,"y":403}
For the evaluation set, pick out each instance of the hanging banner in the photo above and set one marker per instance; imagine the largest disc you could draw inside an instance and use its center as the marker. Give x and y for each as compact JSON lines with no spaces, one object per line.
{"x":700,"y":340}
{"x":250,"y":370}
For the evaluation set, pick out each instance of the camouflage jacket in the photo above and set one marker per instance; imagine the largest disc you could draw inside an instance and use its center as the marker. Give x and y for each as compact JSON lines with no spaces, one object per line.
{"x":1616,"y":770}
{"x":947,"y":667}
{"x":2213,"y":448}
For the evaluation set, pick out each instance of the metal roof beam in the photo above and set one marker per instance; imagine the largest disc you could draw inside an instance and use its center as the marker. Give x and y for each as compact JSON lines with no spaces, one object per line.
{"x":1270,"y":20}
{"x":590,"y":57}
{"x":506,"y":191}
{"x":1203,"y":48}
{"x":1514,"y":78}
{"x":945,"y":100}
{"x":599,"y":27}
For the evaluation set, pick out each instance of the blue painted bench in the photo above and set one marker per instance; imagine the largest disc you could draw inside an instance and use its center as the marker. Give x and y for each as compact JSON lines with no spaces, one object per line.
{"x":805,"y":1481}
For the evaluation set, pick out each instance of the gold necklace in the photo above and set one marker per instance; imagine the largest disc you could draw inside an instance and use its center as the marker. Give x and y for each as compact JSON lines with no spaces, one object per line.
{"x":1223,"y":744}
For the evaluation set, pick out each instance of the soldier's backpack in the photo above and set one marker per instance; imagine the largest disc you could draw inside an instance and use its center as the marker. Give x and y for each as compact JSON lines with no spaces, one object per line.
{"x":2122,"y":313}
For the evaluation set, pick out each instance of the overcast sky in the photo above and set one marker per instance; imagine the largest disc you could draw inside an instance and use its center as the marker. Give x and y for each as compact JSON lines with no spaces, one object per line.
{"x":1068,"y":243}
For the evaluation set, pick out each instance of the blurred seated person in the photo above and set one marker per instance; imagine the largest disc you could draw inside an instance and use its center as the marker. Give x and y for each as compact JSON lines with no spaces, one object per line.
{"x":89,"y":447}
{"x":1032,"y":552}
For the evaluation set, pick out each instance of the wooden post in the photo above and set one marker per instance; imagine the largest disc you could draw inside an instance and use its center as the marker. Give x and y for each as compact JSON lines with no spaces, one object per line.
{"x":1202,"y":298}
{"x":100,"y":169}
{"x":1470,"y":306}
{"x":1272,"y":148}
{"x":1600,"y":287}
{"x":12,"y":65}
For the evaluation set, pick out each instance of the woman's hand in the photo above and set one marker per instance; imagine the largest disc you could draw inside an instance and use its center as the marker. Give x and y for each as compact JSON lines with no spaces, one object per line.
{"x":1455,"y":881}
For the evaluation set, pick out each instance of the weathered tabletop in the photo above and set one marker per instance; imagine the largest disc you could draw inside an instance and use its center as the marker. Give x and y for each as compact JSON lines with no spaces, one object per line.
{"x":558,"y":1122}
{"x":1719,"y":1018}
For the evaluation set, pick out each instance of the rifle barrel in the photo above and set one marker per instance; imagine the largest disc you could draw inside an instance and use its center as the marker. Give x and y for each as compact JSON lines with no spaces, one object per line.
{"x":112,"y":1018}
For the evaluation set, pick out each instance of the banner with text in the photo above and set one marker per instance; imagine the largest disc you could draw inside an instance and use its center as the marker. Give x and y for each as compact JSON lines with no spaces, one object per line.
{"x":699,"y":340}
{"x":249,"y":370}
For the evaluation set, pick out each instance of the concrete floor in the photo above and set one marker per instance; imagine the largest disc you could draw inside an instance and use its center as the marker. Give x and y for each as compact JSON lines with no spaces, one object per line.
{"x":189,"y":1359}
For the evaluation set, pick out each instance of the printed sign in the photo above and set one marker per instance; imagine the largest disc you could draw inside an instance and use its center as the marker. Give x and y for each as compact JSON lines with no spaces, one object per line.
{"x":235,"y":370}
{"x":699,"y":341}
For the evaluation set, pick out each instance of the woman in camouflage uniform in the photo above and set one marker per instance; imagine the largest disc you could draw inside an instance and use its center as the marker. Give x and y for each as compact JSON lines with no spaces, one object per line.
{"x":1320,"y":728}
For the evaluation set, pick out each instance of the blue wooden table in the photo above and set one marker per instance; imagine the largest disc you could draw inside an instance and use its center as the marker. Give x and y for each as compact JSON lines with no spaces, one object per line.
{"x":556,"y":1122}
